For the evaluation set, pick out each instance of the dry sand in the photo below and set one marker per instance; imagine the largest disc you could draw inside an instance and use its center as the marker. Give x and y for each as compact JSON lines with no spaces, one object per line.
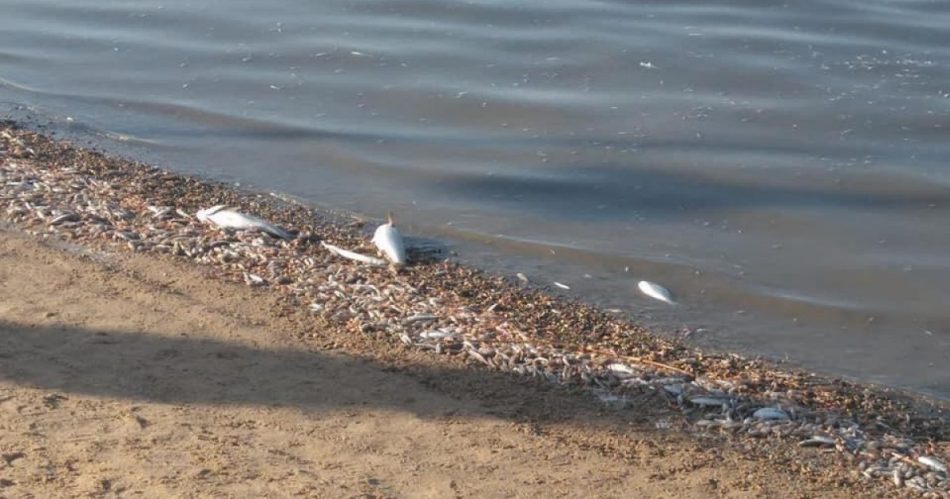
{"x":125,"y":375}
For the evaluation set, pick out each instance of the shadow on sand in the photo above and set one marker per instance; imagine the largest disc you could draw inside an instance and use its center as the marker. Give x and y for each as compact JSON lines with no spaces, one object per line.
{"x":184,"y":370}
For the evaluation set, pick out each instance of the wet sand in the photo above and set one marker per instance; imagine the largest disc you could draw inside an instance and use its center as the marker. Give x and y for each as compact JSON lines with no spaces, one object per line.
{"x":174,"y":380}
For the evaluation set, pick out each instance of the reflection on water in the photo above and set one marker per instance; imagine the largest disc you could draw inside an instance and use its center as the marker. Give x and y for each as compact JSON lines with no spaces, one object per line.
{"x":782,"y":168}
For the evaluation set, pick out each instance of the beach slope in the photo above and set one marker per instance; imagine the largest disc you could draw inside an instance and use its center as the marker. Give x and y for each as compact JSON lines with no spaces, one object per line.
{"x":124,"y":375}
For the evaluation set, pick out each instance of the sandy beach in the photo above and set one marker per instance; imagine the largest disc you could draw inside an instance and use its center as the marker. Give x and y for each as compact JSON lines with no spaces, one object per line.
{"x":123,"y":376}
{"x":129,"y":369}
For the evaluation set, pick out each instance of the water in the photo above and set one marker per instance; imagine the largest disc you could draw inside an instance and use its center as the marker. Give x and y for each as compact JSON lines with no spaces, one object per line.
{"x":784,"y":169}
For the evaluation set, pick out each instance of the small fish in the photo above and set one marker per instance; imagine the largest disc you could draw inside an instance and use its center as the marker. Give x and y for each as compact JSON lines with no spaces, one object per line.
{"x":897,"y":478}
{"x":479,"y":357}
{"x":521,"y":277}
{"x":655,"y":291}
{"x":224,"y":217}
{"x":65,"y":217}
{"x":389,"y":241}
{"x":253,"y":279}
{"x":621,"y":370}
{"x":770,"y":413}
{"x":352,"y":255}
{"x":932,"y":463}
{"x":709,"y":401}
{"x":817,"y":441}
{"x":562,"y":286}
{"x":673,"y":389}
{"x":419,"y":318}
{"x":435,"y":335}
{"x":160,"y":211}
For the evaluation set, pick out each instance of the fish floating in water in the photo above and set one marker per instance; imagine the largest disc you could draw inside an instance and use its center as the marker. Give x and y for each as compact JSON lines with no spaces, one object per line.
{"x":389,"y":241}
{"x":655,"y":291}
{"x":227,"y":218}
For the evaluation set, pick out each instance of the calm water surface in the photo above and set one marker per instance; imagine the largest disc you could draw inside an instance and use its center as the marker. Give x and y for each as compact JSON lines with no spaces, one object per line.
{"x":784,"y":169}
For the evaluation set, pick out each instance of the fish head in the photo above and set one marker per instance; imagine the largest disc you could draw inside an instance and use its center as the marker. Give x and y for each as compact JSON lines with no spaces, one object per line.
{"x":204,"y":214}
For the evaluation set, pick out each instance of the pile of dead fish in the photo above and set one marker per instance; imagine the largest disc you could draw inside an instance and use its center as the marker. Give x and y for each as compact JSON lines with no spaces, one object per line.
{"x":354,"y":289}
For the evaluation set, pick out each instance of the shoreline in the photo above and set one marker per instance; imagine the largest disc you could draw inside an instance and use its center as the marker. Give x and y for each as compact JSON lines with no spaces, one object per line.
{"x":474,"y":251}
{"x":126,"y":374}
{"x":467,"y":316}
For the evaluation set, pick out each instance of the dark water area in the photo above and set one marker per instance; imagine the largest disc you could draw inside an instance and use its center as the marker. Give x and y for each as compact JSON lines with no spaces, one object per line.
{"x":783,"y":168}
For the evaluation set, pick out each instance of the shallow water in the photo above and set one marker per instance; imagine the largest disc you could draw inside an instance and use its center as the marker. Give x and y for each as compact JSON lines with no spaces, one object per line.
{"x":784,"y":169}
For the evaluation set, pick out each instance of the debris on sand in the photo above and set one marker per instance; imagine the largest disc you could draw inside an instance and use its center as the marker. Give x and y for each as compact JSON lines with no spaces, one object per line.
{"x":55,"y":190}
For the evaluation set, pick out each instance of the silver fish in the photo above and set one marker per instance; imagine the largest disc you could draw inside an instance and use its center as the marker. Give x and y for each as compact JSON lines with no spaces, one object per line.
{"x":389,"y":241}
{"x":224,"y":217}
{"x":709,"y":401}
{"x":817,"y":441}
{"x":932,"y":463}
{"x":770,"y":413}
{"x":352,"y":255}
{"x":655,"y":291}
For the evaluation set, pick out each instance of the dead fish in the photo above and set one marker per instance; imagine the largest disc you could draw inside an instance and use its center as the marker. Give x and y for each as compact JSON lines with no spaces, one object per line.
{"x":521,"y":277}
{"x":667,"y":380}
{"x":389,"y":241}
{"x":709,"y":401}
{"x":932,"y":463}
{"x":352,"y":255}
{"x":65,"y":217}
{"x":160,"y":211}
{"x":674,"y":389}
{"x":770,"y":414}
{"x":897,"y":478}
{"x":435,"y":335}
{"x":253,"y":279}
{"x":817,"y":441}
{"x":655,"y":291}
{"x":621,"y":370}
{"x":479,"y":357}
{"x":419,"y":318}
{"x":224,"y":217}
